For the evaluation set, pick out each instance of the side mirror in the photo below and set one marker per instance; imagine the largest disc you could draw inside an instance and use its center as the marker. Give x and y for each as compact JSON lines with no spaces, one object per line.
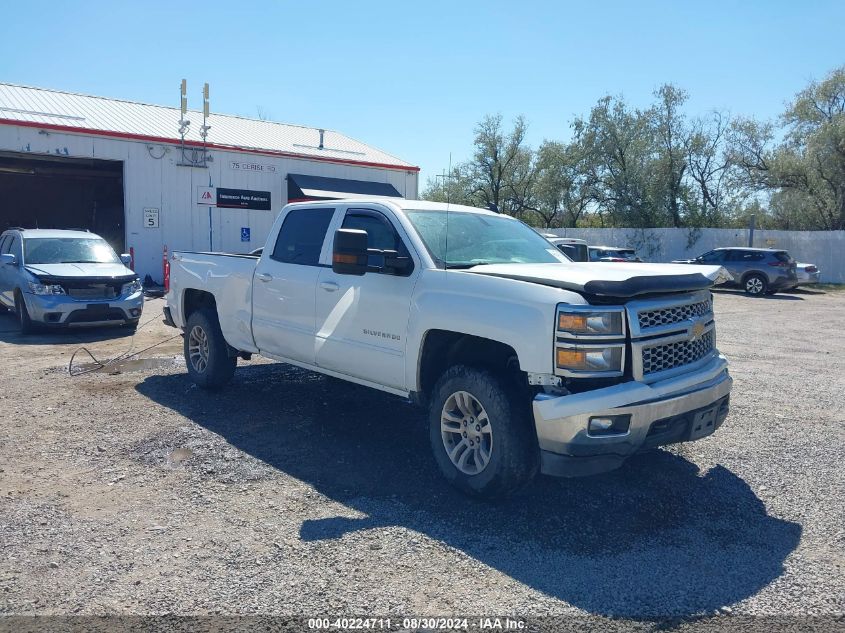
{"x":126,"y":258}
{"x":399,"y":264}
{"x":8,"y":259}
{"x":349,"y":253}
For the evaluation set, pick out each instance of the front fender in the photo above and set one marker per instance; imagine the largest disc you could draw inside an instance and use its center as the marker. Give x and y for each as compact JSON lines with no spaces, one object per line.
{"x":516,"y":313}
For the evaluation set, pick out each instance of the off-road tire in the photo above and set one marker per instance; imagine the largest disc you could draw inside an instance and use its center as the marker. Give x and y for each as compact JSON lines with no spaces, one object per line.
{"x":219,"y":366}
{"x":25,"y":324}
{"x":514,"y":456}
{"x":755,"y":285}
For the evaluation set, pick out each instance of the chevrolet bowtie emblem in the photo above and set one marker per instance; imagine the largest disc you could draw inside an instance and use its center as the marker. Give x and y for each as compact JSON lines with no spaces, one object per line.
{"x":697,"y":330}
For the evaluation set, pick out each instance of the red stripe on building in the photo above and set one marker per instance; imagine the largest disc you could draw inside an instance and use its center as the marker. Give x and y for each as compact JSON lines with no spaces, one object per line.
{"x":199,"y":144}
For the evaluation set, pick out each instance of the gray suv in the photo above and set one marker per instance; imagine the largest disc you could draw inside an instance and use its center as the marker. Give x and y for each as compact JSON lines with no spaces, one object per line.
{"x":756,"y":270}
{"x":66,"y":278}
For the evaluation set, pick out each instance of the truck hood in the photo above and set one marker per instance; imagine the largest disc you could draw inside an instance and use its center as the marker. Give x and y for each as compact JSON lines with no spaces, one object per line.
{"x":81,"y":271}
{"x":610,"y":280}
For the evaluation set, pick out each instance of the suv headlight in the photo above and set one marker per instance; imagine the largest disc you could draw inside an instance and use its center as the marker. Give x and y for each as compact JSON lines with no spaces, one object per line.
{"x":45,"y":289}
{"x":589,"y":341}
{"x":132,"y":287}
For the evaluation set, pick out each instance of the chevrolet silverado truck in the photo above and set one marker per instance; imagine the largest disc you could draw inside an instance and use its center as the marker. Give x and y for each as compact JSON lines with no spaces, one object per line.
{"x":526,"y":360}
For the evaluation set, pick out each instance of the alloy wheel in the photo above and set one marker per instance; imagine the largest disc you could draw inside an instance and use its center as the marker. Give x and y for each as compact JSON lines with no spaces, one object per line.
{"x":467,"y":433}
{"x":754,"y":285}
{"x":198,"y":349}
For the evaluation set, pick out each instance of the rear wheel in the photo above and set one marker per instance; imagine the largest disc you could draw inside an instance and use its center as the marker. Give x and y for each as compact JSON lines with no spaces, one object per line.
{"x":24,"y":322}
{"x":206,"y":353}
{"x":755,"y":284}
{"x":481,"y":434}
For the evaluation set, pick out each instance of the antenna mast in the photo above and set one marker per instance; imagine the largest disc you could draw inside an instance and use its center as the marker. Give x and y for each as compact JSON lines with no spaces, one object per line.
{"x":195,"y":159}
{"x":205,"y":127}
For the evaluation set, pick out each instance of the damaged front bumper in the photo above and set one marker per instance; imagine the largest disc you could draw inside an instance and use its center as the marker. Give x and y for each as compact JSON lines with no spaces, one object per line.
{"x":64,"y":311}
{"x":678,"y":409}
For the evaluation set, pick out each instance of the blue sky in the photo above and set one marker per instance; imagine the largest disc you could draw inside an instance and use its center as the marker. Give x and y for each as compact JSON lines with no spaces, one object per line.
{"x":415,"y":78}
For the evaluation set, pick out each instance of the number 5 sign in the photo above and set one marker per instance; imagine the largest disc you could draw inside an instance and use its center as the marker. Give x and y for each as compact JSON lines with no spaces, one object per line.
{"x":150,"y":218}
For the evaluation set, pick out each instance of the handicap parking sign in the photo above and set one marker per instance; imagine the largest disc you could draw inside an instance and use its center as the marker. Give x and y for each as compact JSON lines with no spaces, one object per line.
{"x":244,"y":234}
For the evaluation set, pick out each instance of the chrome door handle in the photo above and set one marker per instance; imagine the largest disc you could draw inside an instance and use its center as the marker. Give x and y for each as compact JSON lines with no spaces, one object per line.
{"x":330,"y":286}
{"x":264,"y":277}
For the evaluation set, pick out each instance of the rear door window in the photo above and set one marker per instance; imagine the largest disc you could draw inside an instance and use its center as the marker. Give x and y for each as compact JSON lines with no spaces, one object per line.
{"x":713,"y":257}
{"x":571,"y":251}
{"x":783,"y":256}
{"x":301,"y":236}
{"x":745,"y":256}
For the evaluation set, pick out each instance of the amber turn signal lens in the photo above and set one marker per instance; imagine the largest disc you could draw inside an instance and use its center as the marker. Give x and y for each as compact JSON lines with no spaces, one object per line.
{"x":571,"y":322}
{"x":571,"y":358}
{"x":340,"y":258}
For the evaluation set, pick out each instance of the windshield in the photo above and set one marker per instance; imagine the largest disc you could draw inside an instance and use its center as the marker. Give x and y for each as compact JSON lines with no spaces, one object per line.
{"x":67,"y":250}
{"x":475,"y":239}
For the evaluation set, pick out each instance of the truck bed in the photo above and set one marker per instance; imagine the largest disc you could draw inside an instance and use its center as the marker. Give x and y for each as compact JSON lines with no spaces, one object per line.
{"x":228,"y":277}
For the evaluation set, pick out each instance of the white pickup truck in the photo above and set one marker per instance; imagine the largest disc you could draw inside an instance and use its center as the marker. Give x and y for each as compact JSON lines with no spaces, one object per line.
{"x":527,"y":361}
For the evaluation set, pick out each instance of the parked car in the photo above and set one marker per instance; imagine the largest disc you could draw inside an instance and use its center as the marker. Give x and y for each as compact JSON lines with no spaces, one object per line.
{"x":573,"y":248}
{"x":613,"y":254}
{"x":525,"y":360}
{"x":807,"y":274}
{"x":756,"y":270}
{"x":64,"y":278}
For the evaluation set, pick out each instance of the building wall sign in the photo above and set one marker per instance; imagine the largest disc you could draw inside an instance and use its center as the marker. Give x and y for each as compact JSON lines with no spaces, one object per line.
{"x":243,"y":199}
{"x":150,"y":218}
{"x":207,"y":196}
{"x":244,"y":166}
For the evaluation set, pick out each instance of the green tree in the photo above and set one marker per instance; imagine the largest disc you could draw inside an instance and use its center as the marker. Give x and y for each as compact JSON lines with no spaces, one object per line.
{"x":501,"y":171}
{"x":620,"y":147}
{"x":564,"y":184}
{"x":807,"y":168}
{"x":671,"y":140}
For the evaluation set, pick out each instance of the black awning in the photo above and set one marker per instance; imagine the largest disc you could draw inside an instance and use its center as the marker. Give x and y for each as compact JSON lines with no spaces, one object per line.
{"x":301,"y":187}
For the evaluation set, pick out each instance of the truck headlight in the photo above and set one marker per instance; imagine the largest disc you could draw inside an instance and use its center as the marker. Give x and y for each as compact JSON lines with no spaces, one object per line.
{"x":590,"y":359}
{"x":45,"y":289}
{"x":579,"y":323}
{"x":132,"y":287}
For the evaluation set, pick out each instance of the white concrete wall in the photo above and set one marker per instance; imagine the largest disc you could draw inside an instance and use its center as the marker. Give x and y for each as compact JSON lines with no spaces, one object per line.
{"x":152,"y":178}
{"x":823,"y":248}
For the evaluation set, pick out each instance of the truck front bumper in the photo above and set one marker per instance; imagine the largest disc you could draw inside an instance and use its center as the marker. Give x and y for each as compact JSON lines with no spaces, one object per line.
{"x":679,"y":409}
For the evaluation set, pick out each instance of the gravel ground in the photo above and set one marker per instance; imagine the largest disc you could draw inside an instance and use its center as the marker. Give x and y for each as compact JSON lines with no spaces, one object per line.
{"x":130,"y":491}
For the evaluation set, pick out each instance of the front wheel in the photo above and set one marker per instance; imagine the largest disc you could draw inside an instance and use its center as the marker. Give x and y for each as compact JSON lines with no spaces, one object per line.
{"x":755,"y":285}
{"x":206,"y":353}
{"x":481,"y":434}
{"x":25,"y":323}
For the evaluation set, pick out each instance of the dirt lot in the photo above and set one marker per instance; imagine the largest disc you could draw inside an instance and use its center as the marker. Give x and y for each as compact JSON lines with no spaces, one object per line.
{"x":131,"y":491}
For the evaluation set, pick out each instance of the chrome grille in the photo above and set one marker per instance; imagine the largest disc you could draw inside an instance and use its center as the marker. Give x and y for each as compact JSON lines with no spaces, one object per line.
{"x":662,"y":357}
{"x":674,"y":314}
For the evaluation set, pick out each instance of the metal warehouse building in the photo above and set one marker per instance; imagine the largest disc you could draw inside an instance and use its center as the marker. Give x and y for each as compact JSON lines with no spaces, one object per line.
{"x":121,"y":169}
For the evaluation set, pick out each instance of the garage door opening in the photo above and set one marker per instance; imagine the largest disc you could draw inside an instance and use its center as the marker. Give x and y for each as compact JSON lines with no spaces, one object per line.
{"x":52,"y":192}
